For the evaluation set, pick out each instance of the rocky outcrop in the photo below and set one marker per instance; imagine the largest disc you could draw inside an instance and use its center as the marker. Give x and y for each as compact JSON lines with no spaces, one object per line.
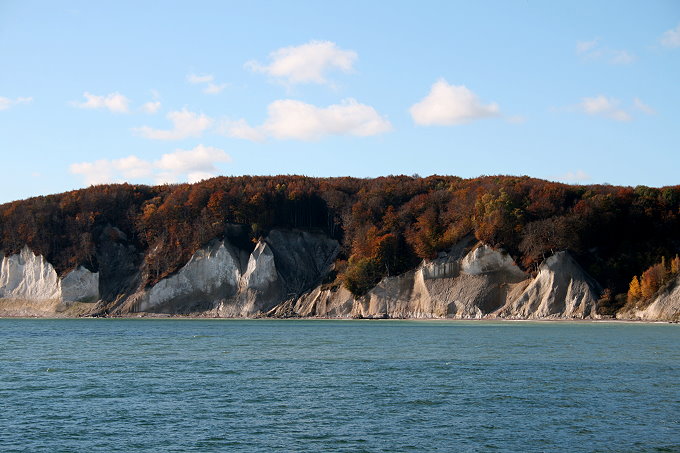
{"x":282,"y":275}
{"x":301,"y":259}
{"x":664,"y":307}
{"x":26,"y":276}
{"x":482,"y":283}
{"x":224,"y":279}
{"x":211,"y":274}
{"x":336,"y":302}
{"x":483,"y":260}
{"x":119,"y":264}
{"x":447,"y":287}
{"x":80,"y":285}
{"x":30,"y":286}
{"x":560,"y":290}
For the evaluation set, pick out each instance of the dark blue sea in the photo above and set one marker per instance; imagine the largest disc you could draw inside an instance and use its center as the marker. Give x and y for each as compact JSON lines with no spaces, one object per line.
{"x":178,"y":385}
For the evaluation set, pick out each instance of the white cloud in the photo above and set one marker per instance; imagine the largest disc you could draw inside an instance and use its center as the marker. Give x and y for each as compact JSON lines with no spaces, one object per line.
{"x":671,"y":38}
{"x":196,"y":162}
{"x":196,"y":176}
{"x":114,"y":102}
{"x":185,"y":124}
{"x":585,"y":46}
{"x":6,"y":103}
{"x":209,"y":81}
{"x":448,"y":105}
{"x":641,"y":106}
{"x":98,"y":172}
{"x":151,"y":107}
{"x":307,"y":63}
{"x":214,"y":88}
{"x":105,"y":171}
{"x":203,"y":78}
{"x":577,"y":176}
{"x":133,"y":167}
{"x":596,"y":105}
{"x":603,"y":106}
{"x":190,"y":165}
{"x":516,"y":119}
{"x":165,"y":178}
{"x":592,"y":50}
{"x":621,"y":57}
{"x":295,"y":120}
{"x":241,"y":129}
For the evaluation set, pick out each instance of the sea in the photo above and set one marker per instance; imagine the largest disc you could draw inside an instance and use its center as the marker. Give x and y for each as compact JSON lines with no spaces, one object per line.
{"x":199,"y":385}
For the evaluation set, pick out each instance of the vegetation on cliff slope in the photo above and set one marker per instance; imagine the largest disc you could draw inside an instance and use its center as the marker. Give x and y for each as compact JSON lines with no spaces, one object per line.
{"x":385,"y":225}
{"x":641,"y":291}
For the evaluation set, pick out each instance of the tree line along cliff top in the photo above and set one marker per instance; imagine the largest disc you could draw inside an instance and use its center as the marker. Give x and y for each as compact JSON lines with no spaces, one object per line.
{"x":384,"y":225}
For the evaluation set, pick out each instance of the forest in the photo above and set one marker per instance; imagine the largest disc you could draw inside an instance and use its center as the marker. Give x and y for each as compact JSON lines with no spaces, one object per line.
{"x":385,"y":225}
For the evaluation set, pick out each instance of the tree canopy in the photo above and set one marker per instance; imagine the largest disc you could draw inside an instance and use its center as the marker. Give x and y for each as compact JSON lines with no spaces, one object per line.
{"x":385,"y":225}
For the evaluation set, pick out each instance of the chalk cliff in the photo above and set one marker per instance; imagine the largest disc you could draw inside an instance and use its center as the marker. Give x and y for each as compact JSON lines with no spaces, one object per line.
{"x":283,"y":276}
{"x":560,"y":290}
{"x":29,"y":286}
{"x":664,"y":307}
{"x":485,"y":283}
{"x":27,"y":276}
{"x":225,"y":279}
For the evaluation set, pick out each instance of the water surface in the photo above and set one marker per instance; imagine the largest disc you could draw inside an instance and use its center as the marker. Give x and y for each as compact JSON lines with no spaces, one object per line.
{"x":176,"y":385}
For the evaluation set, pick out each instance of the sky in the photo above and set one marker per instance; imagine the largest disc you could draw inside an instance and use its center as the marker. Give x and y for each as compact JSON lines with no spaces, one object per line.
{"x":162,"y":92}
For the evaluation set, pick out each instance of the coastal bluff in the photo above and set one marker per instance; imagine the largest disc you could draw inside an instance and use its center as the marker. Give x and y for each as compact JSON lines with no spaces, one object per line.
{"x":285,"y":275}
{"x":491,"y":247}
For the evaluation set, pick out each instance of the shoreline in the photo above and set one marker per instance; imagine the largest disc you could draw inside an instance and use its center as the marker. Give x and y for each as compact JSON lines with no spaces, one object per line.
{"x":314,"y":318}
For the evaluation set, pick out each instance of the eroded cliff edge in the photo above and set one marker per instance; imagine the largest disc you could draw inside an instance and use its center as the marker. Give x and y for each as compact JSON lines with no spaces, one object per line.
{"x":483,"y":283}
{"x":285,"y":273}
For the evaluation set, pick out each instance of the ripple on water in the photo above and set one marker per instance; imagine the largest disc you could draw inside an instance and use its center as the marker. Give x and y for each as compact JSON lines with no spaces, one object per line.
{"x":190,"y":386}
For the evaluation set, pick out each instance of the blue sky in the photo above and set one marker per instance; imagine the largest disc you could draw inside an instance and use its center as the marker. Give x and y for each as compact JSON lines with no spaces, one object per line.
{"x":93,"y":92}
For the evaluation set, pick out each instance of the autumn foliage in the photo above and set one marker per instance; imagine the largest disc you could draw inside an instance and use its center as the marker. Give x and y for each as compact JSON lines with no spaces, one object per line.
{"x":654,"y":278}
{"x":385,"y":225}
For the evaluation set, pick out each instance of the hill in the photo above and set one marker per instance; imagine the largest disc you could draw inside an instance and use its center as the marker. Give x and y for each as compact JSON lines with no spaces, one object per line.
{"x":384,"y":227}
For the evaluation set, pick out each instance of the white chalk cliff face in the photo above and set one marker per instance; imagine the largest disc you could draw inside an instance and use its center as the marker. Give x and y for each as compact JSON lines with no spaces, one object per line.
{"x":80,"y":285}
{"x":261,"y":271}
{"x":664,"y":307}
{"x":472,"y":287}
{"x":211,"y":272}
{"x":221,"y":280}
{"x":30,"y":277}
{"x":282,"y":277}
{"x":485,"y":283}
{"x":560,"y":290}
{"x":483,"y":260}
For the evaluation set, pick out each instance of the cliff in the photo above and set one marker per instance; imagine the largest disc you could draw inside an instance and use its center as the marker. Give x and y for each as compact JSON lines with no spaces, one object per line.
{"x":29,"y":286}
{"x":665,"y":306}
{"x":227,"y":280}
{"x":485,"y":283}
{"x":282,"y":276}
{"x":561,"y":289}
{"x":397,"y":246}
